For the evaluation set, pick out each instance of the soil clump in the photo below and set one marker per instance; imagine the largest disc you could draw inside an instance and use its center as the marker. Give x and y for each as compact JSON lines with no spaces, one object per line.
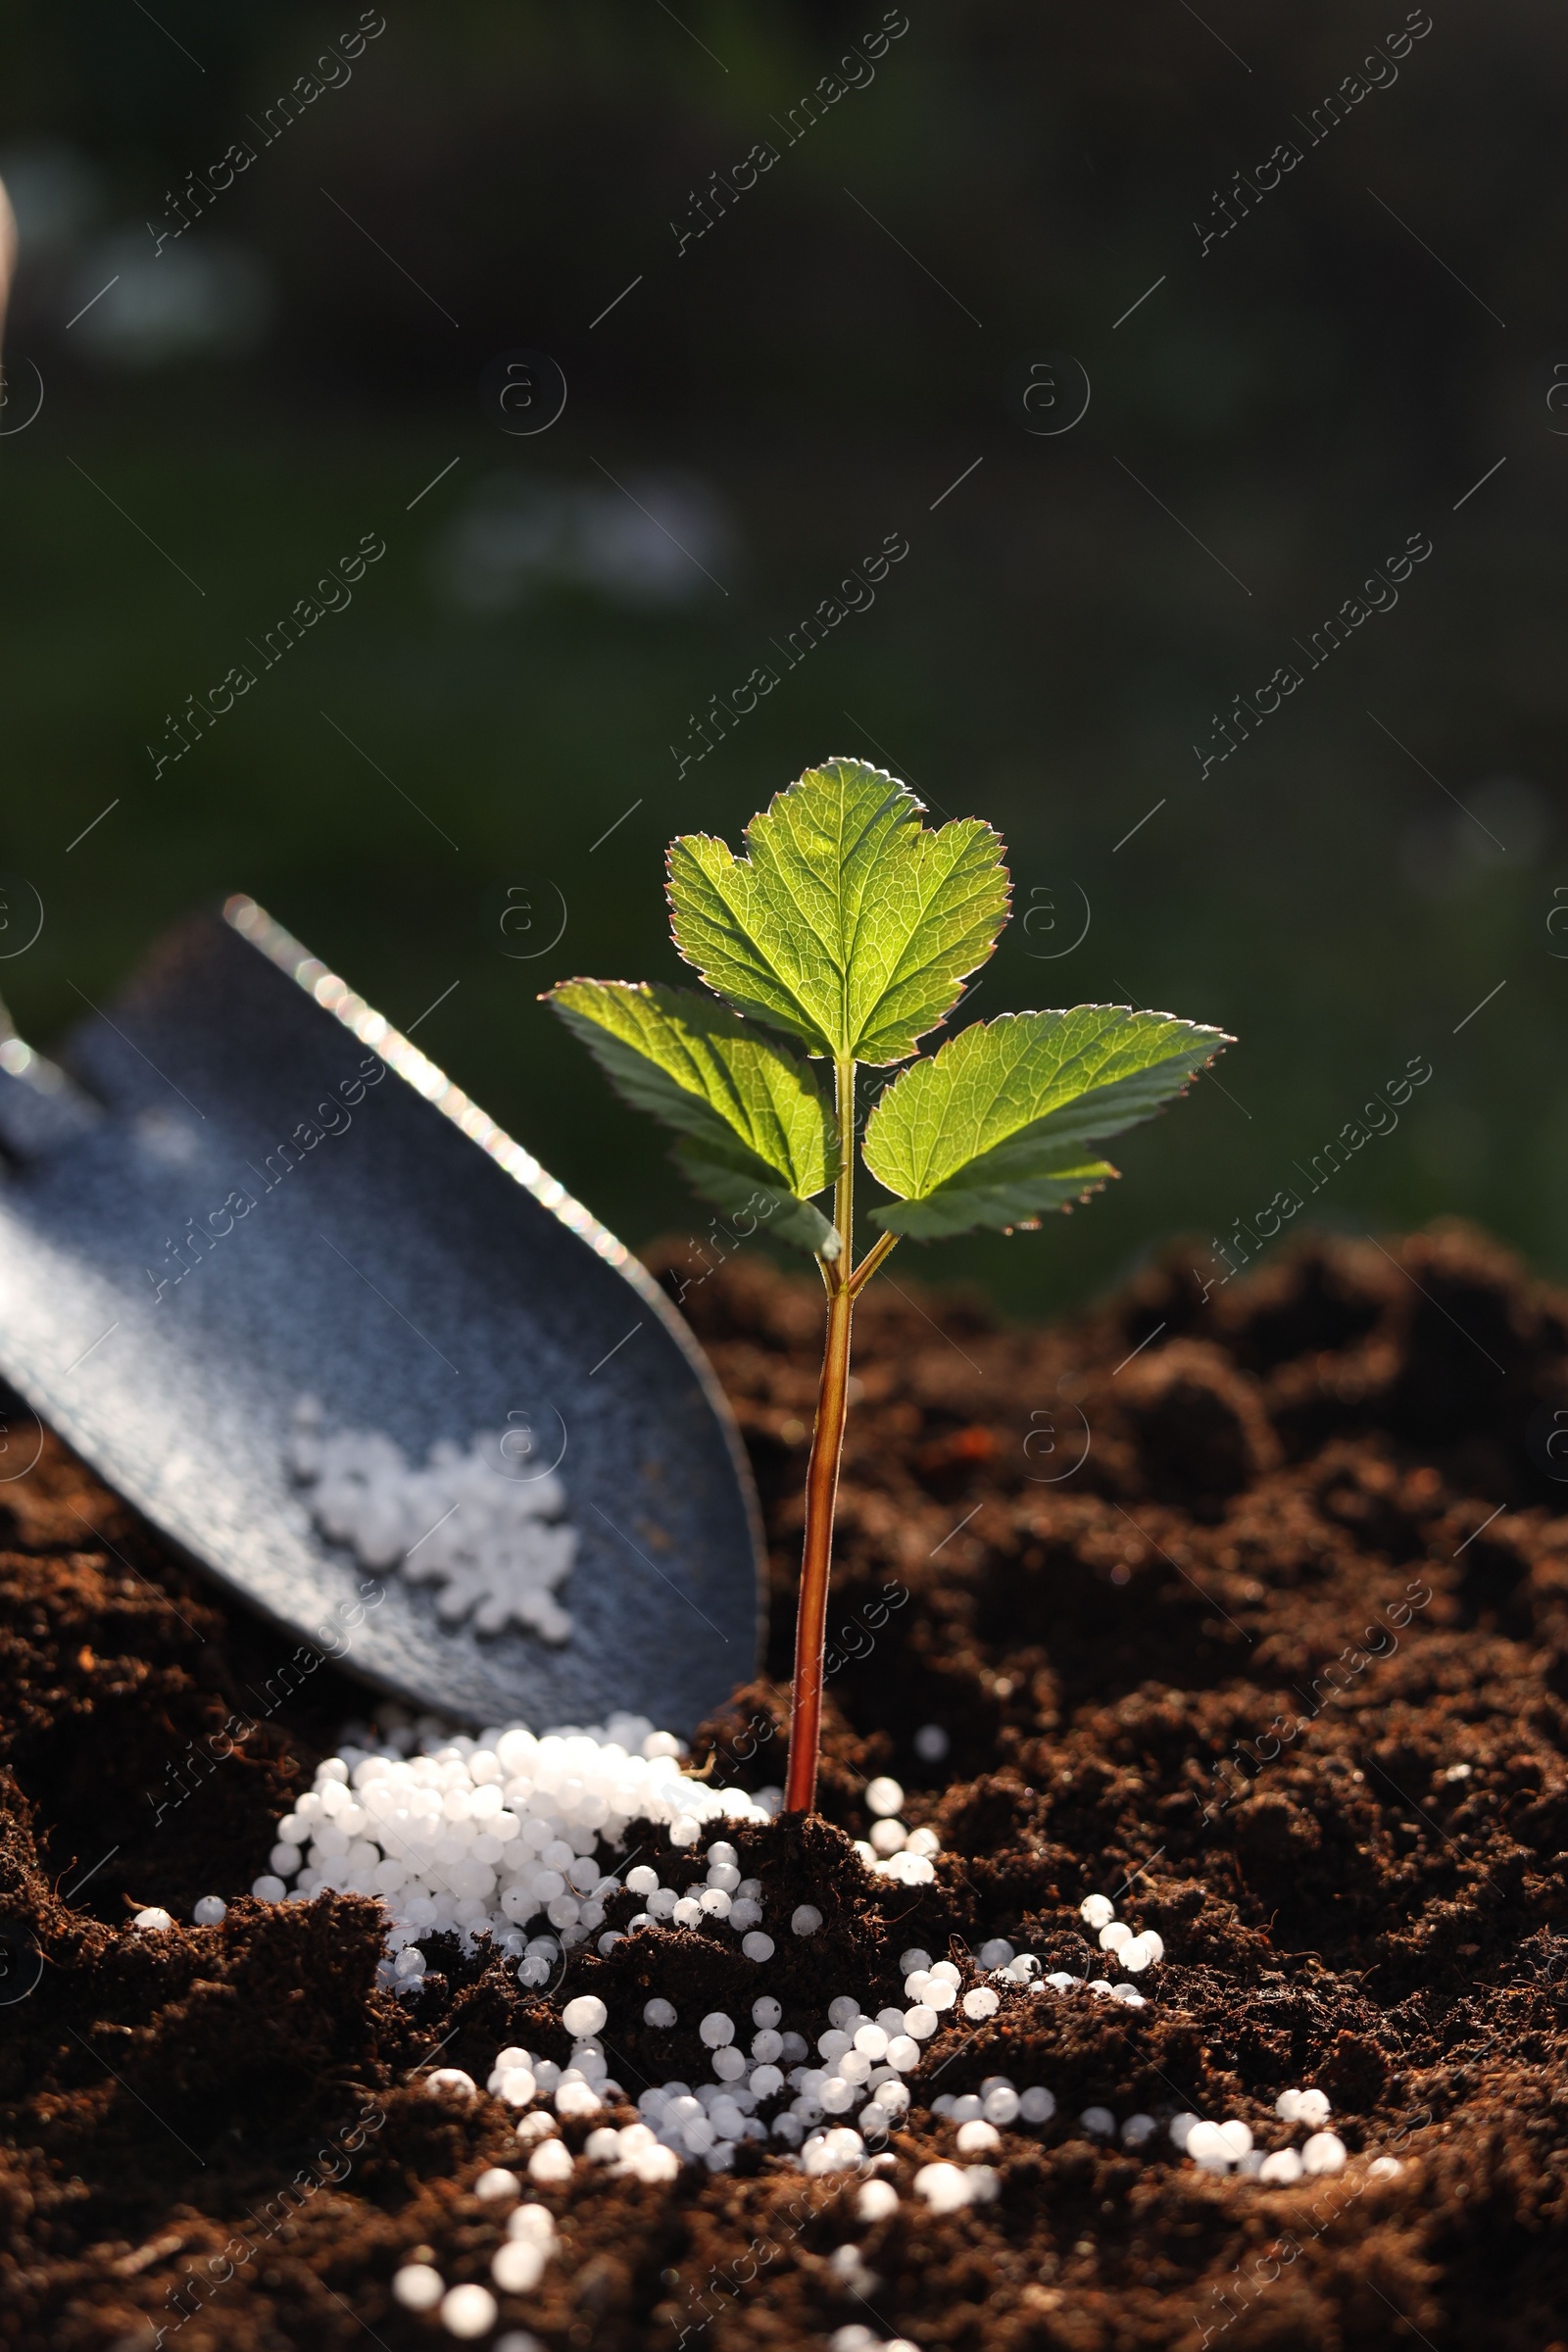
{"x":1248,"y":1611}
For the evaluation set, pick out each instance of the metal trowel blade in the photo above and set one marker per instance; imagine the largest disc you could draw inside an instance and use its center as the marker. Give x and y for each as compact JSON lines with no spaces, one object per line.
{"x":223,"y":1209}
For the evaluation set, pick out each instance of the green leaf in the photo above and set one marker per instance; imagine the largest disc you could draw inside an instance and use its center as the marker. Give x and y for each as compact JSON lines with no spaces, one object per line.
{"x":847,"y":923}
{"x":757,"y":1134}
{"x":744,"y":1187}
{"x":997,"y":1127}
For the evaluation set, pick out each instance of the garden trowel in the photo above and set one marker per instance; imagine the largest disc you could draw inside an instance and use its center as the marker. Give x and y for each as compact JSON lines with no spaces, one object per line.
{"x":243,"y":1207}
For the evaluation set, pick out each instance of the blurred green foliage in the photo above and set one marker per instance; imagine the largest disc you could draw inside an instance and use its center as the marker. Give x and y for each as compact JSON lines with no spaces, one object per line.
{"x":1302,"y":398}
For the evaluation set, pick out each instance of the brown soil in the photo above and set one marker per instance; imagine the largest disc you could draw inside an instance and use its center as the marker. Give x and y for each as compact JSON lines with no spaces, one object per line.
{"x":1157,"y":1670}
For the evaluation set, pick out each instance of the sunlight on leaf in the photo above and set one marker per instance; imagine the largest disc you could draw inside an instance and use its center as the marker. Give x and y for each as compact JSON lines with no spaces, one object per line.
{"x":757,"y":1134}
{"x":999,"y":1126}
{"x":848,"y":923}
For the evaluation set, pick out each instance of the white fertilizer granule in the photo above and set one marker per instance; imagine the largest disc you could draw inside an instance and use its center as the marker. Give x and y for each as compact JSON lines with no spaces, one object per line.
{"x":514,"y":1837}
{"x":499,"y":1836}
{"x":497,"y":1542}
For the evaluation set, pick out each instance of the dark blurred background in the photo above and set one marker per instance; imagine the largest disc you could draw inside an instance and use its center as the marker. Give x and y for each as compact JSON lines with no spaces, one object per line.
{"x":985,"y":214}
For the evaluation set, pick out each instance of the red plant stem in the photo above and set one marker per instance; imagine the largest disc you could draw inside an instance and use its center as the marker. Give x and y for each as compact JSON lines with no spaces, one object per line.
{"x":822,"y":1474}
{"x":821,"y":1495}
{"x":845,"y":1282}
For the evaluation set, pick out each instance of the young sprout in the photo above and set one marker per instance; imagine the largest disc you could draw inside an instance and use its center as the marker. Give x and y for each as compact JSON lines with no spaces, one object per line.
{"x":849,"y":928}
